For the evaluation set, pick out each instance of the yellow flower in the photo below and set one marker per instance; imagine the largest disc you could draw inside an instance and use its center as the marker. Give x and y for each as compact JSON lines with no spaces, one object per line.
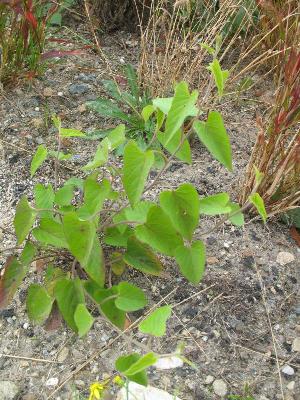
{"x":96,"y":391}
{"x":118,"y":381}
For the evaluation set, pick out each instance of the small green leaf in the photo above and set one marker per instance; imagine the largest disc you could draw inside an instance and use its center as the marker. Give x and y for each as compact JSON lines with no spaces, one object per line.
{"x":139,"y":212}
{"x":116,"y":237}
{"x":163,"y":104}
{"x":155,"y":323}
{"x":147,"y":112}
{"x":137,"y":165}
{"x":106,"y":108}
{"x":116,"y":137}
{"x":258,"y":176}
{"x":212,"y":134}
{"x":66,"y":132}
{"x":191,"y":261}
{"x":158,"y":232}
{"x":141,"y":257}
{"x":38,"y":303}
{"x":123,"y":363}
{"x":50,"y":232}
{"x":64,"y":195}
{"x":10,"y":280}
{"x":141,"y":364}
{"x":238,"y":218}
{"x":100,"y":157}
{"x":38,"y":159}
{"x":60,"y":156}
{"x":28,"y":253}
{"x":117,"y":263}
{"x":259,"y":204}
{"x":94,"y":196}
{"x":132,"y":80}
{"x":176,"y":145}
{"x":24,"y":219}
{"x":209,"y":49}
{"x":83,"y":320}
{"x":68,"y":294}
{"x":130,"y":298}
{"x":182,"y":206}
{"x":44,"y":198}
{"x":215,"y":205}
{"x":220,"y":76}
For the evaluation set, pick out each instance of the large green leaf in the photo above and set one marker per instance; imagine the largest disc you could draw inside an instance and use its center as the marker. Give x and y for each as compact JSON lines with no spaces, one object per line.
{"x":191,"y":261}
{"x":182,"y":206}
{"x":123,"y":363}
{"x":137,"y":165}
{"x":259,"y":204}
{"x":44,"y":198}
{"x":141,"y":257}
{"x":176,"y":145}
{"x":183,"y":106}
{"x":100,"y":157}
{"x":50,"y":232}
{"x":94,"y":196}
{"x":215,"y":204}
{"x":83,"y":320}
{"x":131,"y":298}
{"x":164,"y":104}
{"x":68,"y":294}
{"x":24,"y":219}
{"x":213,"y":135}
{"x":10,"y":280}
{"x":158,"y":232}
{"x":84,"y":244}
{"x":38,"y":303}
{"x":38,"y":159}
{"x":155,"y":323}
{"x":106,"y":108}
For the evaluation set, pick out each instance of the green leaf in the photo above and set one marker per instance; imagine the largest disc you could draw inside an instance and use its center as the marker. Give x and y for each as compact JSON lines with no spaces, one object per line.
{"x":52,"y":275}
{"x":176,"y":146}
{"x":191,"y":261}
{"x":130,"y":298}
{"x":117,"y":263}
{"x":50,"y":232}
{"x":141,"y":257}
{"x":38,"y":303}
{"x":28,"y":253}
{"x":112,"y":89}
{"x":94,"y":196}
{"x":10,"y":280}
{"x":68,"y":294}
{"x":182,"y":206}
{"x":123,"y":363}
{"x":116,"y":137}
{"x":147,"y":112}
{"x":24,"y":219}
{"x":209,"y":49}
{"x":238,"y":218}
{"x":155,"y":323}
{"x":83,"y":320}
{"x":258,"y":175}
{"x":66,"y":132}
{"x":137,"y":165}
{"x":220,"y":76}
{"x":64,"y":195}
{"x":158,"y":232}
{"x":60,"y":156}
{"x":44,"y":198}
{"x":38,"y":159}
{"x":106,"y":108}
{"x":212,"y":134}
{"x":100,"y":157}
{"x":259,"y":204}
{"x":106,"y":300}
{"x":141,"y":364}
{"x":163,"y":104}
{"x":132,"y":80}
{"x":116,"y":237}
{"x":84,"y":244}
{"x":183,"y":106}
{"x":139,"y":212}
{"x":215,"y":204}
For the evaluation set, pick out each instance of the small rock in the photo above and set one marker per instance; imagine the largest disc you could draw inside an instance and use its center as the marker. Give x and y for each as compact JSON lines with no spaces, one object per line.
{"x":26,"y":325}
{"x":296,"y":344}
{"x":138,"y":392}
{"x":79,"y":88}
{"x":284,"y":258}
{"x":291,"y":386}
{"x":168,"y":362}
{"x":209,"y":380}
{"x":8,"y":390}
{"x":81,"y":108}
{"x":288,"y":370}
{"x":39,"y":140}
{"x":63,"y":354}
{"x":60,"y":94}
{"x":48,"y":92}
{"x":29,"y":396}
{"x":86,"y":77}
{"x":38,"y":122}
{"x":212,"y":260}
{"x":52,"y":382}
{"x":79,"y":383}
{"x":226,"y":245}
{"x":220,"y":387}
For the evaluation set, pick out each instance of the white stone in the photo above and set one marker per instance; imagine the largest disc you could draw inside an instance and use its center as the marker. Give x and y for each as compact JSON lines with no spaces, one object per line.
{"x":8,"y":390}
{"x":220,"y":387}
{"x":60,"y":94}
{"x":284,"y":258}
{"x":296,"y":344}
{"x":138,"y":392}
{"x":63,"y":354}
{"x":291,"y":386}
{"x":209,"y":380}
{"x":168,"y":362}
{"x":26,"y":325}
{"x":52,"y":382}
{"x":288,"y":370}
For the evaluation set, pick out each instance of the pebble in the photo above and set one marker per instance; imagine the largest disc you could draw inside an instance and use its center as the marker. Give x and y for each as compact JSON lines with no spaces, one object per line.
{"x":8,"y":390}
{"x":288,"y":370}
{"x":168,"y":362}
{"x":146,"y":393}
{"x":48,"y":92}
{"x":26,"y":325}
{"x":212,"y":260}
{"x":291,"y":386}
{"x":220,"y":387}
{"x":52,"y":382}
{"x":80,"y":383}
{"x":284,"y":258}
{"x":63,"y":354}
{"x":60,"y":94}
{"x":296,"y":344}
{"x":79,"y":88}
{"x":209,"y":380}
